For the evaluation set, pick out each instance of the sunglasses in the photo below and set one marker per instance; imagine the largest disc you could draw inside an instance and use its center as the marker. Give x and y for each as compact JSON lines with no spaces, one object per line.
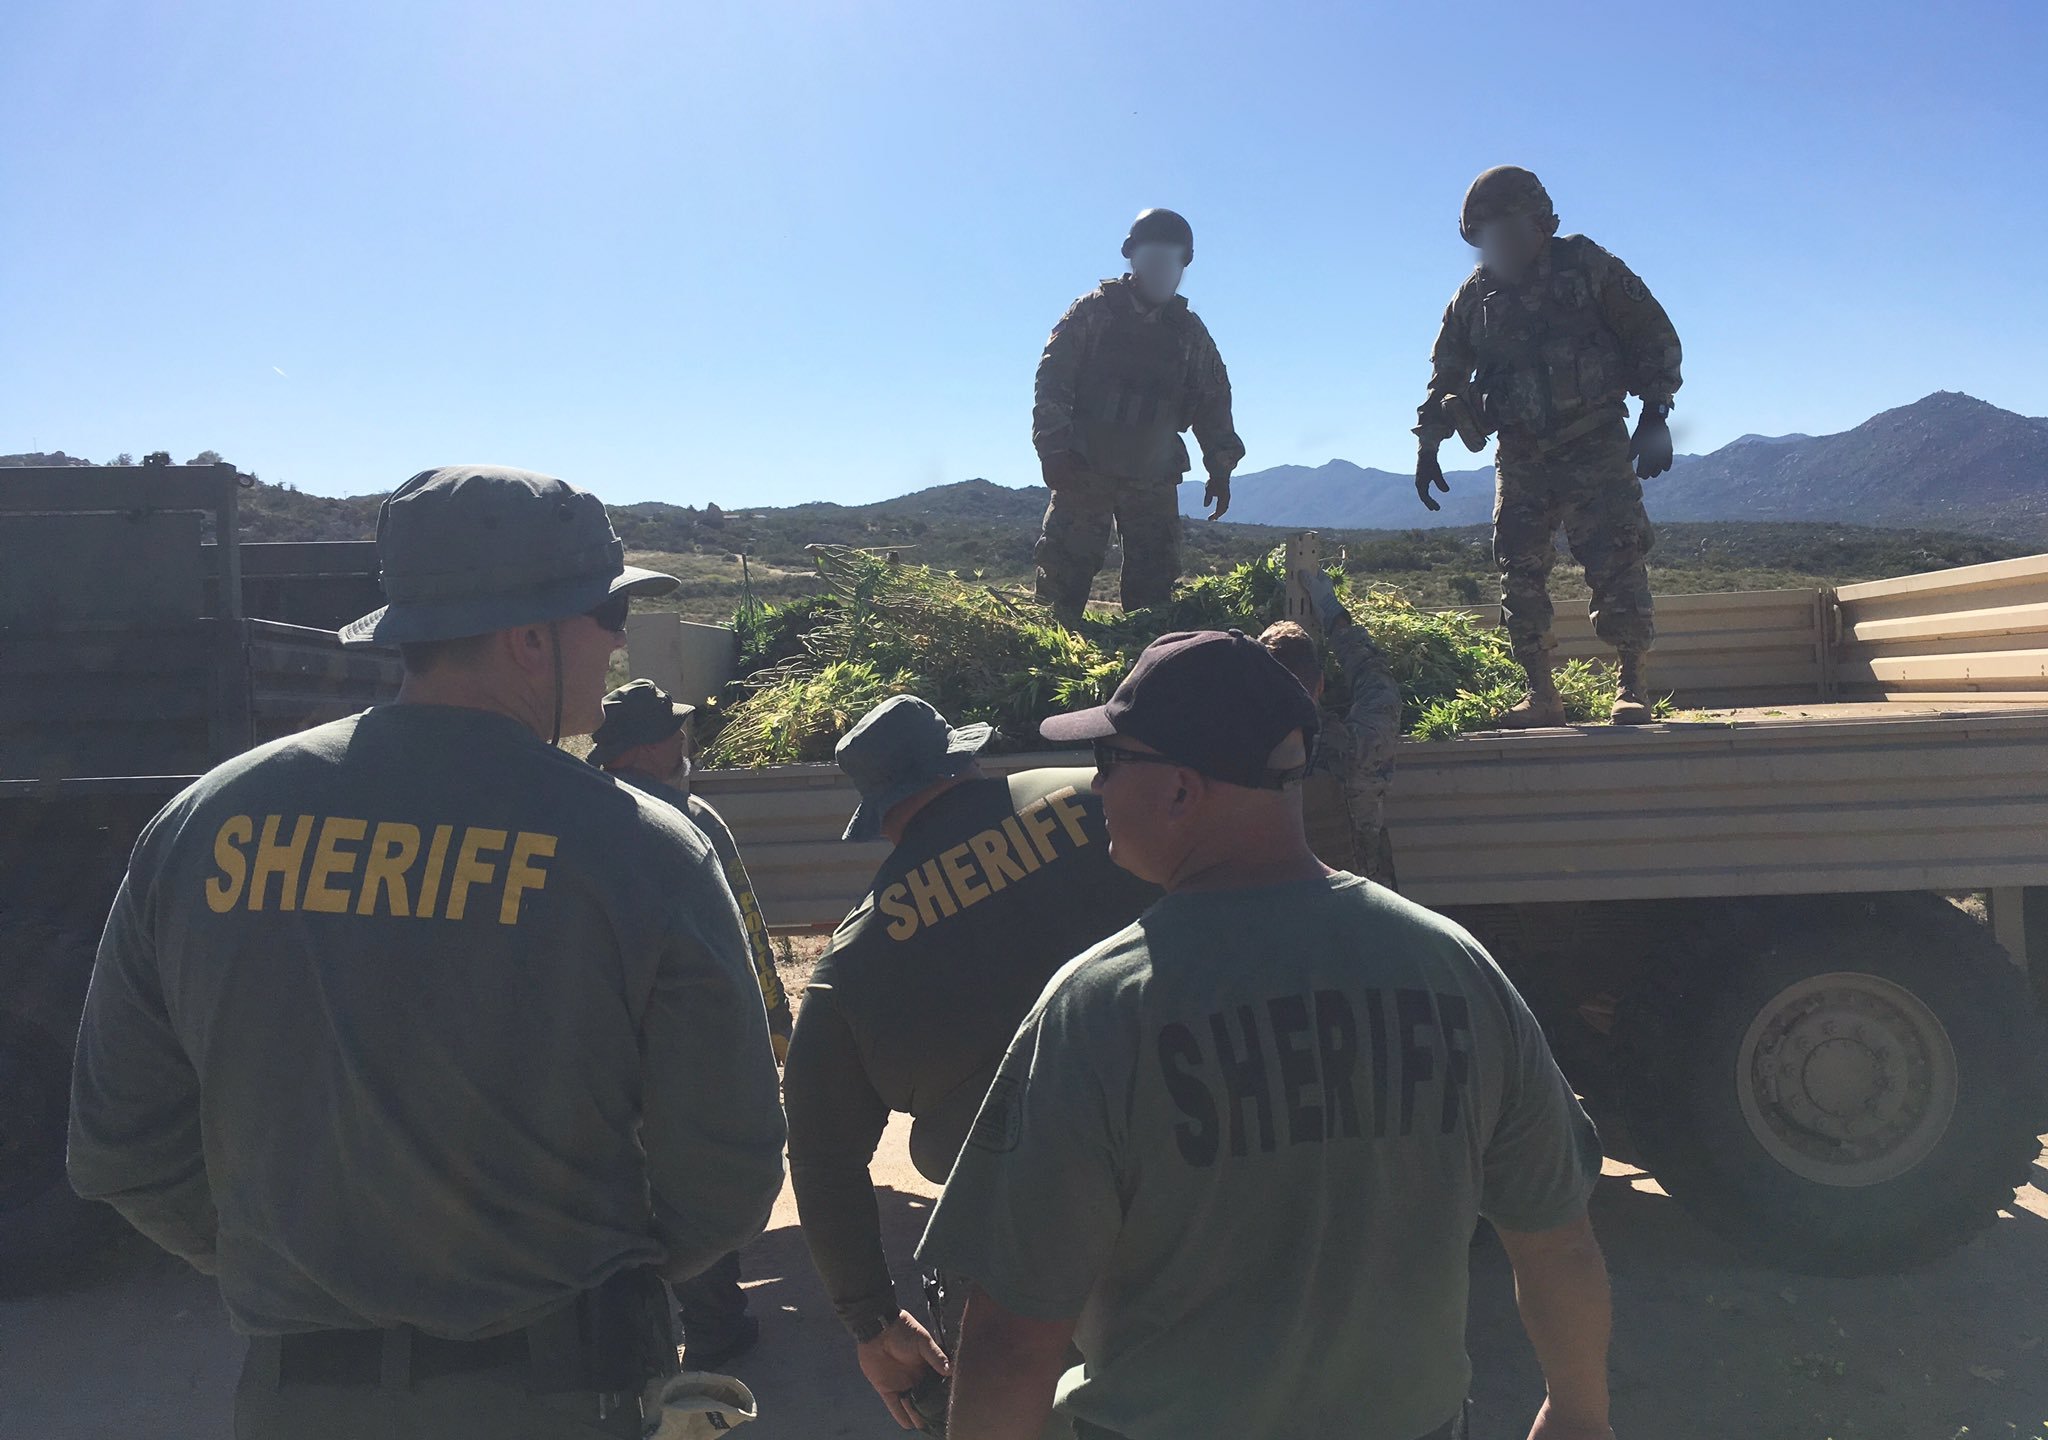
{"x":611,"y":615}
{"x":1109,"y":755}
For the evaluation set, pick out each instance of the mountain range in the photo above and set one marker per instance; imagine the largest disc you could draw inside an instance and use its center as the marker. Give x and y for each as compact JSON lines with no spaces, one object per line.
{"x":1949,"y":461}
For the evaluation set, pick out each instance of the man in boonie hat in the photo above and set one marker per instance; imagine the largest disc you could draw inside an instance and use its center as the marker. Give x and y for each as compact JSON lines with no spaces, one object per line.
{"x":438,"y":1047}
{"x":468,"y":552}
{"x":645,"y":742}
{"x":1237,"y":1151}
{"x":993,"y":884}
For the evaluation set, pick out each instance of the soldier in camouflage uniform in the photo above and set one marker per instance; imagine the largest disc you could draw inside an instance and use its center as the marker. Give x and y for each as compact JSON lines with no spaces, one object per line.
{"x":1541,"y":344}
{"x":1128,"y":367}
{"x":1343,"y":800}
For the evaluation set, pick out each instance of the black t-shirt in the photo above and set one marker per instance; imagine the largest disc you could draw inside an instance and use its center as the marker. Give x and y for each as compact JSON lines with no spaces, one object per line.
{"x":996,"y":884}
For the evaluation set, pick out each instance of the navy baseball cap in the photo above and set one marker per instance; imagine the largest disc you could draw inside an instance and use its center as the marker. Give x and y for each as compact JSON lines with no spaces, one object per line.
{"x":1216,"y":701}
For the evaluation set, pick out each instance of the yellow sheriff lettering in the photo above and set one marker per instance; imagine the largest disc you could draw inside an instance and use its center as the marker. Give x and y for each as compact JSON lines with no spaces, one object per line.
{"x":331,"y":861}
{"x":430,"y":883}
{"x":224,"y":890}
{"x":338,"y":865}
{"x":1041,"y":826}
{"x":1026,"y":856}
{"x":992,"y":852}
{"x":281,"y":860}
{"x":521,"y":874}
{"x":1071,"y":815}
{"x":928,"y":891}
{"x":471,"y":868}
{"x":895,"y":903}
{"x":392,"y":850}
{"x":960,"y":876}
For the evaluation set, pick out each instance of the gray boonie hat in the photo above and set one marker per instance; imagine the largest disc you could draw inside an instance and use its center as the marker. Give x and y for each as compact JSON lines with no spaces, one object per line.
{"x":468,"y":549}
{"x":637,"y":713}
{"x":898,"y":748}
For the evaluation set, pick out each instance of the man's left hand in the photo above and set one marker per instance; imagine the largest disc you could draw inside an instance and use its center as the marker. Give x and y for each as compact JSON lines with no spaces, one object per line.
{"x":897,"y":1360}
{"x":1217,"y":492}
{"x":1650,"y":446}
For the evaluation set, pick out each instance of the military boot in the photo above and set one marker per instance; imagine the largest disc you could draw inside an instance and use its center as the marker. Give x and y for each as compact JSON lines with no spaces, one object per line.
{"x":1544,"y":707}
{"x":1631,"y":700}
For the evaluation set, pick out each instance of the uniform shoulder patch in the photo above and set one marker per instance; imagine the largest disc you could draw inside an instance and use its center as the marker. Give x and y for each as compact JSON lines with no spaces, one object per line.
{"x":1000,"y":1125}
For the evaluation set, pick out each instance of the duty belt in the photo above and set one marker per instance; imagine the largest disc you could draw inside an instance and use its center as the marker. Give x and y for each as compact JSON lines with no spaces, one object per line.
{"x":605,"y":1342}
{"x":1580,"y":428}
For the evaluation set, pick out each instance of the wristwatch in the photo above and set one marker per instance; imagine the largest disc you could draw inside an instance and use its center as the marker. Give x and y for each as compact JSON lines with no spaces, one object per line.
{"x":872,"y":1324}
{"x":1660,"y":408}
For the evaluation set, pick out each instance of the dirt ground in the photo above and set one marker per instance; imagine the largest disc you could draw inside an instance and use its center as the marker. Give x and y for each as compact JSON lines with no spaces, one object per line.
{"x":1708,"y":1344}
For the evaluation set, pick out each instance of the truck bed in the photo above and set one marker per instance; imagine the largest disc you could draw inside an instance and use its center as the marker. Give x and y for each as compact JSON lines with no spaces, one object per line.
{"x":1754,"y":801}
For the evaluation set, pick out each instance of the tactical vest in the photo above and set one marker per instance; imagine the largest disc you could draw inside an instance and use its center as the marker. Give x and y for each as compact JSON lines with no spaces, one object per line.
{"x":1129,"y":391}
{"x":1545,"y":354}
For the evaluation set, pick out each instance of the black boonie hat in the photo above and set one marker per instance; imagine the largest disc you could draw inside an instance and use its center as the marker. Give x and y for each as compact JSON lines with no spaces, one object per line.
{"x":898,"y":748}
{"x":1216,"y":701}
{"x":637,"y":713}
{"x":468,"y":549}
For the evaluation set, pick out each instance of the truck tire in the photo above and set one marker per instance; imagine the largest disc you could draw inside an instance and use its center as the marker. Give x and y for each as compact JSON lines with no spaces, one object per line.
{"x":45,"y":1229}
{"x":1848,"y":1088}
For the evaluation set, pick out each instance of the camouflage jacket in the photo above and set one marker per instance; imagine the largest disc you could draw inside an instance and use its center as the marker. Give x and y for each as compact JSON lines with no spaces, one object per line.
{"x":1357,"y":748}
{"x":1119,"y":381}
{"x":1571,"y":340}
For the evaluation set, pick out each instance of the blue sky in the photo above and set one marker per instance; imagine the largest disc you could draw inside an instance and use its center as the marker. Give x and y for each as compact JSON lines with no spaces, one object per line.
{"x":770,"y":252}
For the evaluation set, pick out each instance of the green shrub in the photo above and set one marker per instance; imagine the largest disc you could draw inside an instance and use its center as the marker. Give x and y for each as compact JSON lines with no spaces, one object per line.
{"x":885,"y":628}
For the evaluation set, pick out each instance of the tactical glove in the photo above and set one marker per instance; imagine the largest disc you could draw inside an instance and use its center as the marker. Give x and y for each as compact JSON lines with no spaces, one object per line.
{"x":1217,"y":492}
{"x":1330,"y":611}
{"x":1427,"y":473}
{"x":1650,"y":446}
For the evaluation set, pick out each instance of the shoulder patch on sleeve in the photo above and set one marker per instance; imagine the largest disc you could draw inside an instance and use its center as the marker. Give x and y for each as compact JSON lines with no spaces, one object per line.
{"x":1000,"y":1125}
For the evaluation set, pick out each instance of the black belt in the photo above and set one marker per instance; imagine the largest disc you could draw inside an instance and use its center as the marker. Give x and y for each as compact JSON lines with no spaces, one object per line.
{"x":608,"y":1341}
{"x":395,"y":1357}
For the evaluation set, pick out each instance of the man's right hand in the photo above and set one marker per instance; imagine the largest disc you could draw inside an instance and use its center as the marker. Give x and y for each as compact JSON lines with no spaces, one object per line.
{"x":1429,"y":473}
{"x":1058,"y":468}
{"x":897,"y":1359}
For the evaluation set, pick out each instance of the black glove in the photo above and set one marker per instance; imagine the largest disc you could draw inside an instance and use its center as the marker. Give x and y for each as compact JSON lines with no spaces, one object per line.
{"x":1650,"y":446}
{"x":1217,"y":491}
{"x":1427,"y":473}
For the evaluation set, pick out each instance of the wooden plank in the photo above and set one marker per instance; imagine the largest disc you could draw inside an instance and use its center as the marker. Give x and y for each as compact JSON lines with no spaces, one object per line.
{"x":2009,"y":699}
{"x":2030,"y":618}
{"x":1997,"y":669}
{"x":1968,"y":872}
{"x":1963,"y":579}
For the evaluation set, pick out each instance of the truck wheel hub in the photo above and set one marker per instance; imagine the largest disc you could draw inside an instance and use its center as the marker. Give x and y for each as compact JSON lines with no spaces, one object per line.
{"x":1847,"y":1079}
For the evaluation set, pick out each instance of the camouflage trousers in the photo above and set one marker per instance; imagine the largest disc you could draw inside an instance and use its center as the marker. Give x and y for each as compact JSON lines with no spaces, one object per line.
{"x":1074,"y":539}
{"x":1589,"y":487}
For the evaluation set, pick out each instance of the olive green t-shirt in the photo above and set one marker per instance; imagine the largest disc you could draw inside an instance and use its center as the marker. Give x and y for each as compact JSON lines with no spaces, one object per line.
{"x":413,"y":1019}
{"x":1245,"y":1142}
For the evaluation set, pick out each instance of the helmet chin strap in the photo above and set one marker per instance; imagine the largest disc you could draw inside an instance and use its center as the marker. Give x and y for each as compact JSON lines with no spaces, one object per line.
{"x":555,"y":644}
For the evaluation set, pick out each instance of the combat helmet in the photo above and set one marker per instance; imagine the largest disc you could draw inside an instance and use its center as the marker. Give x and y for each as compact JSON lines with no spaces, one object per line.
{"x":1168,"y":226}
{"x":1503,"y":190}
